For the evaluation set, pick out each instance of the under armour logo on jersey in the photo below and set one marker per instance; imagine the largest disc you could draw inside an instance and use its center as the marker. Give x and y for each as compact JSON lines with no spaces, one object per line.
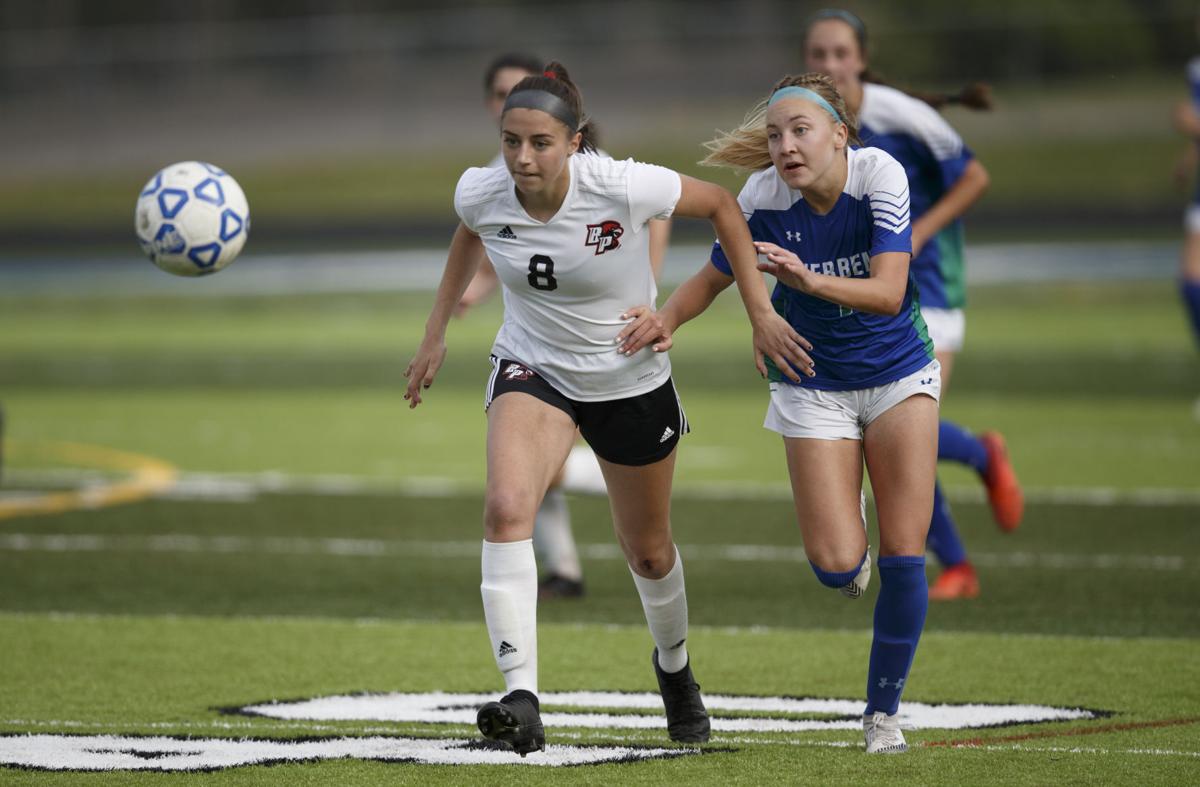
{"x":897,"y":684}
{"x":505,"y":650}
{"x":668,"y":433}
{"x":515,"y":371}
{"x":506,"y":233}
{"x":605,"y":236}
{"x":791,"y":239}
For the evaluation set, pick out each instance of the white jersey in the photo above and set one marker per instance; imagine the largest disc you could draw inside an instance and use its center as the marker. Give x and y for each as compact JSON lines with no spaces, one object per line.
{"x":568,"y":280}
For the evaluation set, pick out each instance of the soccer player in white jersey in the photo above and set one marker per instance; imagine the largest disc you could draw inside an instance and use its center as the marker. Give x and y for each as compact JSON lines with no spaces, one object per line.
{"x":567,"y":234}
{"x":553,"y":540}
{"x":945,"y":179}
{"x":1187,"y":120}
{"x":834,"y":226}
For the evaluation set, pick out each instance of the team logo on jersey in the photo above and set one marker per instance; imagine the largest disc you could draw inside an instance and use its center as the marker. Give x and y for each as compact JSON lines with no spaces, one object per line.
{"x":605,"y":236}
{"x":515,"y":371}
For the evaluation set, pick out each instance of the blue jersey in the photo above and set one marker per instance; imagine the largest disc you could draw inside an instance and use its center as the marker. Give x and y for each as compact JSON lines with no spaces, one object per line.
{"x":934,"y":157}
{"x":851,"y":349}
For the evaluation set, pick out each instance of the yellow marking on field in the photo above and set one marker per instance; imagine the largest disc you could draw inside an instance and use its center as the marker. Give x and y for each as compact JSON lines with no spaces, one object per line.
{"x":147,"y":476}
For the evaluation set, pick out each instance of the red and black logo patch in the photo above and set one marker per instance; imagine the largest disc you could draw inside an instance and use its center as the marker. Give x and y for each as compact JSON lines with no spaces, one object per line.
{"x":515,"y":371}
{"x":605,"y":236}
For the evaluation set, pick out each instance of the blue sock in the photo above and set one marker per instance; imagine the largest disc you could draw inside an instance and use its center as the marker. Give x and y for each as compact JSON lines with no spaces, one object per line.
{"x":899,"y":618}
{"x":837,"y":579}
{"x":1191,"y":297}
{"x":943,"y":540}
{"x":959,"y":445}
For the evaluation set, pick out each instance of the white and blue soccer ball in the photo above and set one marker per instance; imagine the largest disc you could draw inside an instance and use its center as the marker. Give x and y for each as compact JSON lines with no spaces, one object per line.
{"x":192,"y":218}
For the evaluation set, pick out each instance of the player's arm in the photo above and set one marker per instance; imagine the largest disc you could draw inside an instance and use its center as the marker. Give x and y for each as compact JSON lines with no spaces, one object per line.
{"x":660,"y":238}
{"x":1187,"y":121}
{"x":481,"y":287}
{"x":466,"y":250}
{"x":773,"y":336}
{"x":881,"y":293}
{"x":965,"y":192}
{"x":689,"y":300}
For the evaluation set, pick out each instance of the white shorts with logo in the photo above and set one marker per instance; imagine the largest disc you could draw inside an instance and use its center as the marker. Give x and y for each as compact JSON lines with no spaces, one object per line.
{"x":796,"y":411}
{"x":947,"y":328}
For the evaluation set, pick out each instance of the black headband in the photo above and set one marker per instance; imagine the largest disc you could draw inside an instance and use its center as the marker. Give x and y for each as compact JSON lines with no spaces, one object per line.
{"x":545,"y":101}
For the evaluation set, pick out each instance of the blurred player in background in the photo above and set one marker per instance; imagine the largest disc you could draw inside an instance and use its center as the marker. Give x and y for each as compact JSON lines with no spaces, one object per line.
{"x":945,"y":179}
{"x":568,"y":236}
{"x":1187,"y":120}
{"x":833,"y":224}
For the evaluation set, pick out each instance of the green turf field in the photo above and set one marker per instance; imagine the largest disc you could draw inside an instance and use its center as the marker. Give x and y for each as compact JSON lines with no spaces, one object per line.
{"x":274,"y":582}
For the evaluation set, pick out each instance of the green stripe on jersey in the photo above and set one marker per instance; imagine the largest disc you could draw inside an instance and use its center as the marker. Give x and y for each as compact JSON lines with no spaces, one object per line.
{"x":918,"y":323}
{"x":951,"y":262}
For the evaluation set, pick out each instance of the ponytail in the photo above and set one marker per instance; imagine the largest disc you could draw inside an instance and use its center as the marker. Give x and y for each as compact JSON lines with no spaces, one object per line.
{"x":976,"y":96}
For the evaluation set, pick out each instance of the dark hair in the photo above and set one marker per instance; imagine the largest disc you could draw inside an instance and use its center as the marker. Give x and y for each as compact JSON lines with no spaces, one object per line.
{"x":555,"y":80}
{"x":977,"y":95}
{"x":522,"y":60}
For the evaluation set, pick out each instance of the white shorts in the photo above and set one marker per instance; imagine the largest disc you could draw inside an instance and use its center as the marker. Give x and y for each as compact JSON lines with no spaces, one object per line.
{"x":796,"y":411}
{"x":1191,"y":218}
{"x":947,"y":328}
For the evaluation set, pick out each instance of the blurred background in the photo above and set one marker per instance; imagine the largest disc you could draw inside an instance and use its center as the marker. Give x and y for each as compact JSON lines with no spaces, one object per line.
{"x":237,"y":445}
{"x":348,"y":122}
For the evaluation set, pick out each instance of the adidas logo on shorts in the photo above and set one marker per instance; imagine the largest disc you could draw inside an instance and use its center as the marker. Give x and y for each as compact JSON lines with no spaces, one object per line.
{"x":668,"y":433}
{"x":507,"y":233}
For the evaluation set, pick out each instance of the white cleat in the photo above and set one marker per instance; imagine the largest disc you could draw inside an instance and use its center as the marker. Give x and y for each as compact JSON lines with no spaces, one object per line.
{"x":883,"y":734}
{"x":856,"y":587}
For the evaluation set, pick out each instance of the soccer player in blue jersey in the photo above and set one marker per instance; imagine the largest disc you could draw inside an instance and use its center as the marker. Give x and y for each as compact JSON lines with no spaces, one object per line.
{"x":832,"y":223}
{"x":946,"y":179}
{"x":1187,"y":120}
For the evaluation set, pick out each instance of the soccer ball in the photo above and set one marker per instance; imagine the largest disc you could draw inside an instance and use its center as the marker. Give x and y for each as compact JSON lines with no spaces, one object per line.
{"x":192,"y":219}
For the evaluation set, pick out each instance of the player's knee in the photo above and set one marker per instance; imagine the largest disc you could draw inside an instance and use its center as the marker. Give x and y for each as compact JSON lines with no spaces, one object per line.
{"x":508,"y":516}
{"x":837,"y":574}
{"x":651,"y":561}
{"x":836,"y":564}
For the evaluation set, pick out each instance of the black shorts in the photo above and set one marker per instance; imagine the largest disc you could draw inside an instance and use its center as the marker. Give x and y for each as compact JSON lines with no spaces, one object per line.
{"x":639,"y":430}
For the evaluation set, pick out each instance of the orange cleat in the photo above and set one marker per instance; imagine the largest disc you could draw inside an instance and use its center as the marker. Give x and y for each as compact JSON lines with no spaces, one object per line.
{"x":1003,"y":489}
{"x":955,"y":582}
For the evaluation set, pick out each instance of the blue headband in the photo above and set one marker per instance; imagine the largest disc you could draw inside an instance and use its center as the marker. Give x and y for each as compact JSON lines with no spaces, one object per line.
{"x":808,"y":95}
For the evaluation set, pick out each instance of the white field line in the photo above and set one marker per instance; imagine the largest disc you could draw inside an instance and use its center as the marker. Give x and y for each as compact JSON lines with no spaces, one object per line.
{"x":184,"y":543}
{"x":262,"y":725}
{"x":244,"y":487}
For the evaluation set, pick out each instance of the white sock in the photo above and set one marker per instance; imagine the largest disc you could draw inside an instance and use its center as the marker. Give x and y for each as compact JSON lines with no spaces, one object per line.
{"x":509,"y":590}
{"x":552,"y":537}
{"x":665,"y":604}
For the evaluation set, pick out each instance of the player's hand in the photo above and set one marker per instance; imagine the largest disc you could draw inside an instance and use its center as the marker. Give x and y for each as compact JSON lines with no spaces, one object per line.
{"x":423,"y":368}
{"x":774,"y":338}
{"x":784,"y":266}
{"x":646,"y":326}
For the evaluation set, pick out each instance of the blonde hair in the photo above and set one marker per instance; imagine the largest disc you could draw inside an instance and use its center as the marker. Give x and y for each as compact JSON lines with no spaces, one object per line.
{"x":745,"y":148}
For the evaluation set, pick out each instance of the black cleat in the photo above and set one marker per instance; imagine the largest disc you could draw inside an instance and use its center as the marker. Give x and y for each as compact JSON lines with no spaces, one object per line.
{"x":557,"y":586}
{"x":516,"y":720}
{"x":687,"y":720}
